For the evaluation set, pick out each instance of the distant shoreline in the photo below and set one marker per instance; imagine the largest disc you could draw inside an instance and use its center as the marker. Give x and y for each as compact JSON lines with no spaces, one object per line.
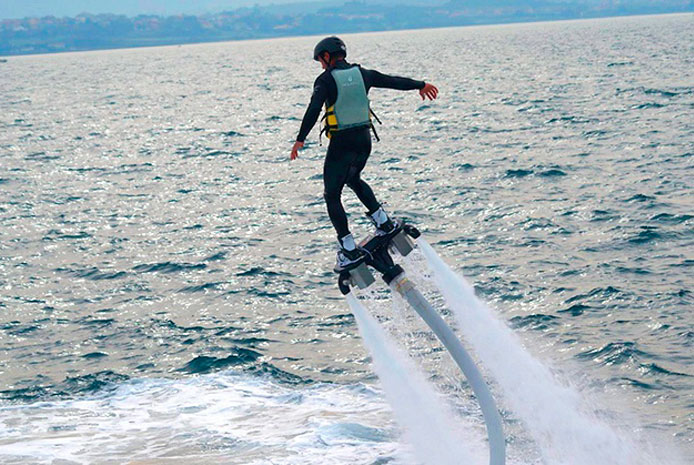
{"x":171,"y":42}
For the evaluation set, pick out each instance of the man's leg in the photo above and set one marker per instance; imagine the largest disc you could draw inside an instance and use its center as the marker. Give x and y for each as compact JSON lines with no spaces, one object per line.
{"x":362,"y":147}
{"x":335,"y":174}
{"x":375,"y":212}
{"x":336,"y":171}
{"x":380,"y":219}
{"x":364,"y":193}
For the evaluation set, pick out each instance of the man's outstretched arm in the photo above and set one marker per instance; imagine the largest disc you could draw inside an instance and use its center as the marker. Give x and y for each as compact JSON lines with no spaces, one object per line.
{"x":376,"y":79}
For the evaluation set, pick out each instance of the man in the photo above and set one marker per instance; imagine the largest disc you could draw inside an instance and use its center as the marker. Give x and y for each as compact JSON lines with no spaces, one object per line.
{"x":343,"y":88}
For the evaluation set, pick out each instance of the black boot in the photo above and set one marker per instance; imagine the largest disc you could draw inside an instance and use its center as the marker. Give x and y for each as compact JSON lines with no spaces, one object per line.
{"x":384,"y":225}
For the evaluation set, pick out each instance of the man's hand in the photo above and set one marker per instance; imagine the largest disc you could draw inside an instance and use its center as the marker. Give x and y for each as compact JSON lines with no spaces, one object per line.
{"x":429,"y":90}
{"x":295,"y":150}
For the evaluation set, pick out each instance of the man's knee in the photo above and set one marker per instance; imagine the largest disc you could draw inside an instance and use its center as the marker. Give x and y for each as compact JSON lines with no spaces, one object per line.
{"x":332,"y":195}
{"x":354,"y":180}
{"x":357,"y":184}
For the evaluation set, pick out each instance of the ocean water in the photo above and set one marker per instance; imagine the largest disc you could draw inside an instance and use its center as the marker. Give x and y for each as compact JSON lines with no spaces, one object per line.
{"x":167,"y":293}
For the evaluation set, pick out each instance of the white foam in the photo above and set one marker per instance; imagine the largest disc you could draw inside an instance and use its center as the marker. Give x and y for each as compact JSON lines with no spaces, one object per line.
{"x":221,"y":418}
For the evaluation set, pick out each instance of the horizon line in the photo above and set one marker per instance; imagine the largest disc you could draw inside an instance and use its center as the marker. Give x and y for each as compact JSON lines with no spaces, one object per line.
{"x":6,"y":58}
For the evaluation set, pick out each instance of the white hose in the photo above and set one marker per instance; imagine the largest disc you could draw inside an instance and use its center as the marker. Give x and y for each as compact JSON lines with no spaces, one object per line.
{"x":497,"y":444}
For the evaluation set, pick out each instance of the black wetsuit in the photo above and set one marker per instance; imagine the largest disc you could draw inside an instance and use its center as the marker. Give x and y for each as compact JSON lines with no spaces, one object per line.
{"x":349,"y":149}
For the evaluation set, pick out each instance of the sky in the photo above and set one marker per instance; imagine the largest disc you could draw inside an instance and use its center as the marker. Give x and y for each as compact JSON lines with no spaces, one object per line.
{"x":22,"y":8}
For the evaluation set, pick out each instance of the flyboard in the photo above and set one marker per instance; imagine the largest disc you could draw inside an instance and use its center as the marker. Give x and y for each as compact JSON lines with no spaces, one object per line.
{"x":378,"y":257}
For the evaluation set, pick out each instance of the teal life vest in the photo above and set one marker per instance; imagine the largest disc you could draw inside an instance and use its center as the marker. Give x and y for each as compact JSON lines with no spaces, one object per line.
{"x":351,"y":109}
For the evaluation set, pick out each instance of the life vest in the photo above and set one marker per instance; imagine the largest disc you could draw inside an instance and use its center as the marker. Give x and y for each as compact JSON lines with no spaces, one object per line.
{"x":351,"y":109}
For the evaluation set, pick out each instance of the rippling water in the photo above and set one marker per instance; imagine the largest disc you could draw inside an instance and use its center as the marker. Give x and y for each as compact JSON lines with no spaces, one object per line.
{"x":153,"y":228}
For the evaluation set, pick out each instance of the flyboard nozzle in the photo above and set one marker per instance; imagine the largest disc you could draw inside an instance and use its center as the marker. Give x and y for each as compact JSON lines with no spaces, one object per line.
{"x":378,"y":258}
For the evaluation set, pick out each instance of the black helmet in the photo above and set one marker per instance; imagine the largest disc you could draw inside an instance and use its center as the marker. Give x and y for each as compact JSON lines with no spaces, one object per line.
{"x":332,"y":45}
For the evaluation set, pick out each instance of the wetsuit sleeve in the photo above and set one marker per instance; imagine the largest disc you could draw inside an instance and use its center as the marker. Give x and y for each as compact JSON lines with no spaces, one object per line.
{"x":320,"y":94}
{"x":373,"y":78}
